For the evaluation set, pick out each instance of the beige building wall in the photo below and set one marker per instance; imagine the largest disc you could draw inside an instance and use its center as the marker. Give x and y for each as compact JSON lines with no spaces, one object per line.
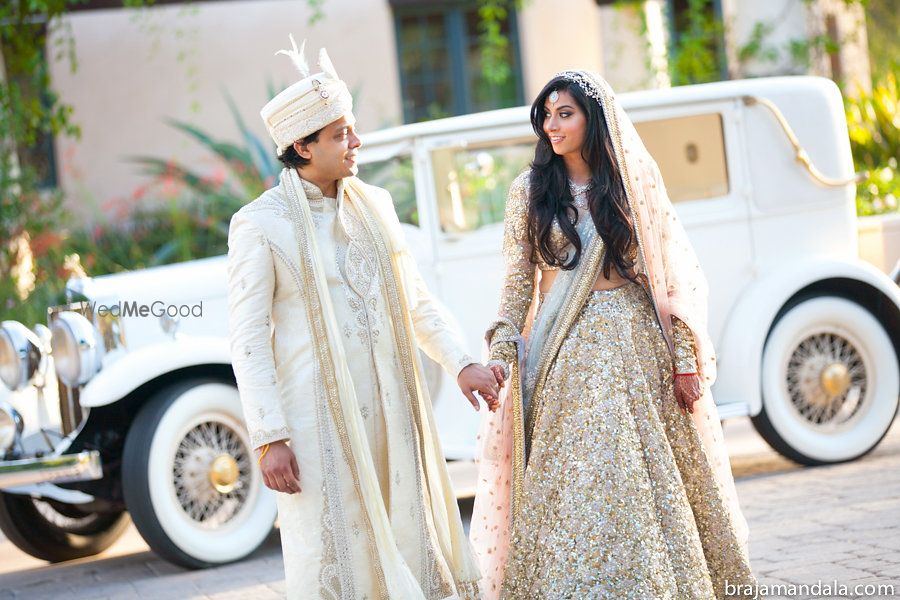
{"x":138,"y":68}
{"x":845,"y":23}
{"x":578,"y":34}
{"x":785,"y":21}
{"x":879,"y":241}
{"x":555,"y":35}
{"x":634,"y":45}
{"x":796,"y":21}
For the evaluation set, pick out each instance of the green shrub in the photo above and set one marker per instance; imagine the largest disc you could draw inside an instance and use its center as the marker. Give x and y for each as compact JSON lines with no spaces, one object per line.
{"x":180,"y":215}
{"x":873,"y":120}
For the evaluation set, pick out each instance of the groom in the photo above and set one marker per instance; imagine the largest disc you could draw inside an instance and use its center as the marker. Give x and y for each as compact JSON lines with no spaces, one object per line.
{"x":327,"y":312}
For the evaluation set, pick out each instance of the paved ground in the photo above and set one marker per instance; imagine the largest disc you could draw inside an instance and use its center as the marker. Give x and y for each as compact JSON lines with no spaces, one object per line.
{"x":827,"y":525}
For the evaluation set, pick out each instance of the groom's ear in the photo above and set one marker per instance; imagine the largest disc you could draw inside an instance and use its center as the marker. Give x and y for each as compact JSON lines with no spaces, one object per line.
{"x":302,"y":149}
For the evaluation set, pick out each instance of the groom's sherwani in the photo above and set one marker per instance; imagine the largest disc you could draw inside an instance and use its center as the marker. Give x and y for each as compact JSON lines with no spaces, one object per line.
{"x":325,"y":310}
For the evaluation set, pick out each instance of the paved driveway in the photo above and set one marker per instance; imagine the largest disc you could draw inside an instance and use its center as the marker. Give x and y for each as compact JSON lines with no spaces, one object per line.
{"x":824,"y":525}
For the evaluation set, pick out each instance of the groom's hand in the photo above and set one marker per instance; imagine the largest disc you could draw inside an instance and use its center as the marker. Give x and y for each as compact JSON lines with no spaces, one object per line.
{"x":479,"y":378}
{"x":279,"y":468}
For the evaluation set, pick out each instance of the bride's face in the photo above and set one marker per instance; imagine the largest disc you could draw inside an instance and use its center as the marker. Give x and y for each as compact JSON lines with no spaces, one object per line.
{"x":564,"y":123}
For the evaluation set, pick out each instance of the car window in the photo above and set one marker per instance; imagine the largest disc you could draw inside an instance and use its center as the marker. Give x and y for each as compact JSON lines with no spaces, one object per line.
{"x":396,"y":176}
{"x":471,"y":182}
{"x":690,"y":152}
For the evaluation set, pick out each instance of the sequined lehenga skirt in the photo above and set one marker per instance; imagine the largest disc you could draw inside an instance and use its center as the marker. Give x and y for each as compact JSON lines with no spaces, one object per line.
{"x":619,"y":498}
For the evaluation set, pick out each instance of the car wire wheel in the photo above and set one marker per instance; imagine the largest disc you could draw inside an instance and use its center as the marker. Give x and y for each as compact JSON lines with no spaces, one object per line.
{"x":827,"y":379}
{"x":211,"y":473}
{"x":189,"y":477}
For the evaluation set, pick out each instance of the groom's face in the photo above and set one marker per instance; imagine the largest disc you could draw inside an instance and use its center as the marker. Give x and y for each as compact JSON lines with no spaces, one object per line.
{"x":333,"y":155}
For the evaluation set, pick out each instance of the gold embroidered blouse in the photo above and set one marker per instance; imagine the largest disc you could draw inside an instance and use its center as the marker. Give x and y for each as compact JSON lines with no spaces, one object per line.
{"x":517,"y":292}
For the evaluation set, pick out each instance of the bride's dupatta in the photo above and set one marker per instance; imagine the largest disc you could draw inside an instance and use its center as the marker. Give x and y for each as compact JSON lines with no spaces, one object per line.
{"x":668,"y":268}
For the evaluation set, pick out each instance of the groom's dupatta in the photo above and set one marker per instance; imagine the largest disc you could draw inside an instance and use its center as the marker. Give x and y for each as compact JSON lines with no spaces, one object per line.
{"x":395,"y":580}
{"x":382,"y":223}
{"x":668,"y":268}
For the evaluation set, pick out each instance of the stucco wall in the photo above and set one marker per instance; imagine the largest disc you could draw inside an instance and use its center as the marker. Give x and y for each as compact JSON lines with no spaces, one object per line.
{"x":138,"y":68}
{"x":554,"y":36}
{"x":879,"y":241}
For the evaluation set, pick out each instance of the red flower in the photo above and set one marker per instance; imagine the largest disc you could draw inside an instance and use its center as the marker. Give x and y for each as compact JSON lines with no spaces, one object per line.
{"x":44,"y":242}
{"x":139,"y":192}
{"x":218,"y":177}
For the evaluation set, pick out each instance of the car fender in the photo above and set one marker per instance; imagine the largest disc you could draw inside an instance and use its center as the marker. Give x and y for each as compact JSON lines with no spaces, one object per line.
{"x":749,"y":322}
{"x":139,"y":366}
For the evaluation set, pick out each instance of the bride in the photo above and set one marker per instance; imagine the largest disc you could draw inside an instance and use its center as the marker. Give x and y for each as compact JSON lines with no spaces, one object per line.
{"x":604,"y":475}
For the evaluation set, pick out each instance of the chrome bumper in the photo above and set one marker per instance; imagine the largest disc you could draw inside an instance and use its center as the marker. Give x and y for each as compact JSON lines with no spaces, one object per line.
{"x":83,"y":466}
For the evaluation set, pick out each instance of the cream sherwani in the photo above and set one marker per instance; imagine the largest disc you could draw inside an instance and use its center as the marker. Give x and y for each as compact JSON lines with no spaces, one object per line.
{"x":330,"y":548}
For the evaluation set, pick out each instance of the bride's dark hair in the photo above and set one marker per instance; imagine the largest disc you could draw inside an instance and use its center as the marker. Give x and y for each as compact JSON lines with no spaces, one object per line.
{"x":549,"y":197}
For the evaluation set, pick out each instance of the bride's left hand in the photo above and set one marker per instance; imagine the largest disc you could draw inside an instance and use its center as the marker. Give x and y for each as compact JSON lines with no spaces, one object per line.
{"x":687,"y":391}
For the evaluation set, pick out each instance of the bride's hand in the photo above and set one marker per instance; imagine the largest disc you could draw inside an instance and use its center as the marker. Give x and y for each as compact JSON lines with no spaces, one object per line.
{"x":497,"y":370}
{"x":687,"y":391}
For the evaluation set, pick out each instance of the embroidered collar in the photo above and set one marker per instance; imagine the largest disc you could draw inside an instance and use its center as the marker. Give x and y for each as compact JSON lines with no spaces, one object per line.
{"x":317,"y":201}
{"x":313,"y":193}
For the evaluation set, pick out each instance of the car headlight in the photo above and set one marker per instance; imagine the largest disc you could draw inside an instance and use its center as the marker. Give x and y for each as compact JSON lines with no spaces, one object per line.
{"x":11,"y":427}
{"x":20,"y":354}
{"x":76,"y":349}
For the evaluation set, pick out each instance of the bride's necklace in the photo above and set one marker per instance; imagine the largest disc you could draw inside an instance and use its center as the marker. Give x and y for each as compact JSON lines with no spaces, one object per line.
{"x":579,"y":194}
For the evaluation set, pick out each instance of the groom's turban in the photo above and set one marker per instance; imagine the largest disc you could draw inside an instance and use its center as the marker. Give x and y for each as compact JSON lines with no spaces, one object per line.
{"x":308,"y":105}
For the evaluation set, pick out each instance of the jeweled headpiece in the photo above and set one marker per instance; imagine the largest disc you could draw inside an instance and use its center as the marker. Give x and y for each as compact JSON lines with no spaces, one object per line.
{"x":587,"y":85}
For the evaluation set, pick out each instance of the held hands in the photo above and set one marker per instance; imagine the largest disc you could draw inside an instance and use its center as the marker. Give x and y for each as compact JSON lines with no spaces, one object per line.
{"x":279,"y":468}
{"x":497,"y":370}
{"x":687,"y":391}
{"x":479,"y":378}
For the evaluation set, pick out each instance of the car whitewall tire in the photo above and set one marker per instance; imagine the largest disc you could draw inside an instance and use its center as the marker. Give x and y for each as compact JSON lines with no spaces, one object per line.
{"x":190,"y":478}
{"x":830,"y":382}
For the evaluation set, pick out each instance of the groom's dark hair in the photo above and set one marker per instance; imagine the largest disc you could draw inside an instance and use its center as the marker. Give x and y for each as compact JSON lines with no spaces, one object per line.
{"x":289,"y":158}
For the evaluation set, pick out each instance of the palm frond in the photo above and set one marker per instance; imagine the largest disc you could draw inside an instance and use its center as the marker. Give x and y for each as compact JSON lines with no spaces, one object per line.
{"x":263,"y":159}
{"x":226,"y":151}
{"x":158,"y":168}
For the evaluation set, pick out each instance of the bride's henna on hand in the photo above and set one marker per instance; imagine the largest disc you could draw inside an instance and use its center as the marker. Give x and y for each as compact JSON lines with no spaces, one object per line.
{"x":687,"y":391}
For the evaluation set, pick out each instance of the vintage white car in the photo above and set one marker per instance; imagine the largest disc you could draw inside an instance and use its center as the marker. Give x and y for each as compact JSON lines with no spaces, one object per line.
{"x":125,"y":403}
